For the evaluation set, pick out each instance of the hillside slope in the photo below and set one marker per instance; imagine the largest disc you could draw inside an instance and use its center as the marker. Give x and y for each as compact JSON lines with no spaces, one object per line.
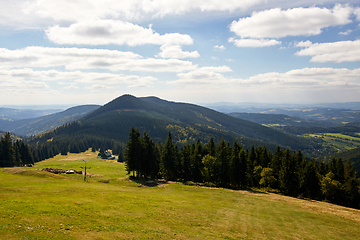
{"x":41,"y":205}
{"x":186,"y":122}
{"x":280,"y":120}
{"x":34,"y":126}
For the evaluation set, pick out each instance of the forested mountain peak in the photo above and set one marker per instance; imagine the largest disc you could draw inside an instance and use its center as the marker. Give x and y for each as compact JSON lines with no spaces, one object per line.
{"x":187,"y":122}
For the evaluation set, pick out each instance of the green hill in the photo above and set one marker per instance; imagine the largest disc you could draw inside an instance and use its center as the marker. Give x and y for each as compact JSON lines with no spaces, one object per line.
{"x":40,"y":205}
{"x":187,"y":123}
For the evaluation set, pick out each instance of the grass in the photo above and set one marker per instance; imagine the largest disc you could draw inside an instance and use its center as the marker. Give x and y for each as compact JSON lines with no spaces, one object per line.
{"x":38,"y":205}
{"x":338,"y":141}
{"x":343,"y":136}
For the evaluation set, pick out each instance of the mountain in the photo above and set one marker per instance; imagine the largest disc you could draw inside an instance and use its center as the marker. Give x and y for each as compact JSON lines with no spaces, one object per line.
{"x":9,"y":115}
{"x":186,"y":122}
{"x":33,"y":126}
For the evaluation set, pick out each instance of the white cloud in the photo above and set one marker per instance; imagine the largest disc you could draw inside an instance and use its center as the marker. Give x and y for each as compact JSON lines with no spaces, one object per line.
{"x":175,"y":51}
{"x":72,"y":11}
{"x":254,"y":42}
{"x":83,"y":58}
{"x":103,"y":32}
{"x":357,"y":13}
{"x":220,"y":47}
{"x":298,"y":78}
{"x":343,"y":51}
{"x":277,"y":23}
{"x":31,"y":76}
{"x":346,"y":33}
{"x":204,"y":75}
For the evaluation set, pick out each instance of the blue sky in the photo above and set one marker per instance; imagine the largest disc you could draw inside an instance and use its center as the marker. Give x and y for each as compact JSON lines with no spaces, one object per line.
{"x":266,"y":51}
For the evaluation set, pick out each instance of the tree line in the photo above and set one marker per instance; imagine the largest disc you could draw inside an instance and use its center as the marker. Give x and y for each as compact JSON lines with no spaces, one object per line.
{"x":232,"y":166}
{"x":14,"y":153}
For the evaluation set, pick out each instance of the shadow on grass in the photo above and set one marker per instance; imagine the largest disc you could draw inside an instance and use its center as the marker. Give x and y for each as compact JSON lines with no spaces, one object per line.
{"x":148,"y":183}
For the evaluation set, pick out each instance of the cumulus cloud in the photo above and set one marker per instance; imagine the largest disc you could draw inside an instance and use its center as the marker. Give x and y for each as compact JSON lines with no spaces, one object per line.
{"x":28,"y":74}
{"x":299,"y":78}
{"x":68,"y":10}
{"x":254,"y":42}
{"x":277,"y":23}
{"x":220,"y":47}
{"x":83,"y":58}
{"x":204,"y":75}
{"x":103,"y":32}
{"x":343,"y":51}
{"x":175,"y":51}
{"x":357,"y":13}
{"x":346,"y":32}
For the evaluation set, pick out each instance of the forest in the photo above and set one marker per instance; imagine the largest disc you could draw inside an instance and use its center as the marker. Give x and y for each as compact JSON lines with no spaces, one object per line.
{"x":232,"y":166}
{"x":14,"y":153}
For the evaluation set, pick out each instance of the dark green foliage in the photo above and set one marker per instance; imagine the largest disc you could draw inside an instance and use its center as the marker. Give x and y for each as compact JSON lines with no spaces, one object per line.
{"x":288,"y":176}
{"x":185,"y":156}
{"x":251,"y":161}
{"x":237,"y":167}
{"x":223,"y":155}
{"x":233,"y":167}
{"x":133,"y":152}
{"x":169,"y":160}
{"x":14,"y":153}
{"x":310,"y":185}
{"x":196,"y":162}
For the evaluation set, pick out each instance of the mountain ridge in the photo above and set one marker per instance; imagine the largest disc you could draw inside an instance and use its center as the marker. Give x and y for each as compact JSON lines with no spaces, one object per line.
{"x":187,"y":123}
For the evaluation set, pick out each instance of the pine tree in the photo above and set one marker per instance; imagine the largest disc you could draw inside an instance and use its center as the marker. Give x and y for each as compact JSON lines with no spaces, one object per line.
{"x":288,"y":177}
{"x":169,"y":160}
{"x":235,"y":165}
{"x":250,"y":166}
{"x":150,"y":165}
{"x":210,"y":147}
{"x":133,"y":151}
{"x":196,"y":162}
{"x":310,"y":184}
{"x":185,"y":156}
{"x":223,"y":154}
{"x":8,"y":152}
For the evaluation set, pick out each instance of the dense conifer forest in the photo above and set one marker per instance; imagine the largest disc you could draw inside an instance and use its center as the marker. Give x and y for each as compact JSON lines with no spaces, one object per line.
{"x":14,"y":153}
{"x":231,"y":166}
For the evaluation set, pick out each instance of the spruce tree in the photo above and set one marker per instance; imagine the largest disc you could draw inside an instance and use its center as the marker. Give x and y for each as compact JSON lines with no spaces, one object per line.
{"x":185,"y":156}
{"x":196,"y":163}
{"x":169,"y":160}
{"x":133,"y":151}
{"x":223,"y":154}
{"x":235,"y":165}
{"x":250,"y":166}
{"x":8,"y":152}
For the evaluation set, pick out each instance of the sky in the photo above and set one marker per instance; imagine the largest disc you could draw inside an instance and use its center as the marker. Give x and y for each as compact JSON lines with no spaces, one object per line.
{"x":194,"y":51}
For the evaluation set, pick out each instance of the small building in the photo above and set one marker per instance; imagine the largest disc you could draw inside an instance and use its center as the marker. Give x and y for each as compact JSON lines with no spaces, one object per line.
{"x":107,"y":155}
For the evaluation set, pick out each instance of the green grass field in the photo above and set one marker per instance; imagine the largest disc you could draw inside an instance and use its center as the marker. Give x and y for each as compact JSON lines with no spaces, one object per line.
{"x":39,"y":205}
{"x":337,"y":141}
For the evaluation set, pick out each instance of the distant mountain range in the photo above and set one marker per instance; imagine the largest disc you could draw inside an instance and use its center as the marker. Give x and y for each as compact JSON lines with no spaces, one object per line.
{"x":36,"y":125}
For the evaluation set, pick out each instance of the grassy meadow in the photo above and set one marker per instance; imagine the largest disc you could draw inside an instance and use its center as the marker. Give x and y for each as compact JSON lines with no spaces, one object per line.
{"x":39,"y":205}
{"x":338,"y":141}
